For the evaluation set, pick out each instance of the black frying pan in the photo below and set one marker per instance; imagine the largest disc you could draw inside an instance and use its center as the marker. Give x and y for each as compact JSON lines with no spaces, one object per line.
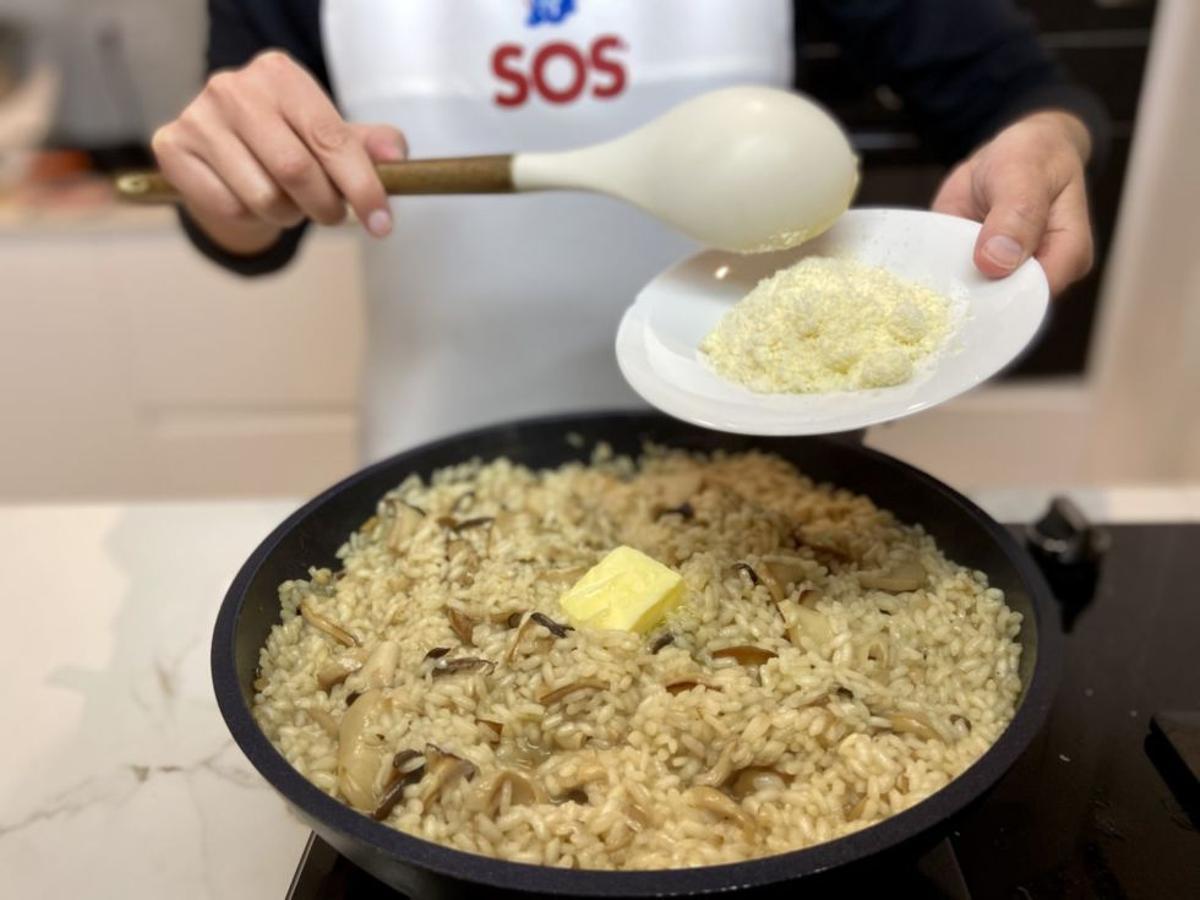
{"x":422,"y":869}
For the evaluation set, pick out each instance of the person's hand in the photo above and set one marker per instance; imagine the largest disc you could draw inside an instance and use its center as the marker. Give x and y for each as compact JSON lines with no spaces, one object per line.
{"x":263,"y":147}
{"x":1026,"y":185}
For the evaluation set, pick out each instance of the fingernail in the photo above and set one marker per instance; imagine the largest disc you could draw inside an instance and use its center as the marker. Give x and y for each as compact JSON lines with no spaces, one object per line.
{"x":389,"y":151}
{"x":1003,"y":251}
{"x":379,"y":223}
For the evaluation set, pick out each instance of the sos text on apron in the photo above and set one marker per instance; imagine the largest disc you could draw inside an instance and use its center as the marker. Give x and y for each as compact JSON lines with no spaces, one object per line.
{"x":489,"y":308}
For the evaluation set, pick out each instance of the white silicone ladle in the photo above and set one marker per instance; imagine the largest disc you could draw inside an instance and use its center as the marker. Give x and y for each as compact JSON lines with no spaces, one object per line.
{"x":742,"y":168}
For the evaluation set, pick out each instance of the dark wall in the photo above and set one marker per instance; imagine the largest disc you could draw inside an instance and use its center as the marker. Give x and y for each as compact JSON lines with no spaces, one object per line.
{"x":1102,"y":43}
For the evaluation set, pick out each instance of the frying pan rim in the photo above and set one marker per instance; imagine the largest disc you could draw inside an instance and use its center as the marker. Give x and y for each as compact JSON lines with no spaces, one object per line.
{"x":523,"y":877}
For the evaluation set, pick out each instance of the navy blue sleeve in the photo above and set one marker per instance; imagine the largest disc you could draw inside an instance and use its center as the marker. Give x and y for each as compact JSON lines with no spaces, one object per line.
{"x":964,"y":68}
{"x":238,"y":30}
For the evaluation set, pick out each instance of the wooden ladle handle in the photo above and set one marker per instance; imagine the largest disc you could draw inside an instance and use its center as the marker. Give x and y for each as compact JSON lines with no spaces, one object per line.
{"x":452,"y":175}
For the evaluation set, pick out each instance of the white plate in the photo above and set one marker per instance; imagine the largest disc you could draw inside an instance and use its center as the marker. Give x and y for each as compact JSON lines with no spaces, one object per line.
{"x":993,"y":322}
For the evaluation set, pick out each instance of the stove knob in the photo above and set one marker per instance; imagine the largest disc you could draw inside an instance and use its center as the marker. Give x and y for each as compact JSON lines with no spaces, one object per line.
{"x":1069,"y":549}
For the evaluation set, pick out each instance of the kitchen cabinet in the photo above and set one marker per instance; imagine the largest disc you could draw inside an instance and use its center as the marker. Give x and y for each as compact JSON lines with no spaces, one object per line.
{"x":133,"y":367}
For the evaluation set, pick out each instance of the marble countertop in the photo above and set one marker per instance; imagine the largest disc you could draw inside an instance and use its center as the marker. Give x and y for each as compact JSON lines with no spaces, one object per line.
{"x":120,"y":779}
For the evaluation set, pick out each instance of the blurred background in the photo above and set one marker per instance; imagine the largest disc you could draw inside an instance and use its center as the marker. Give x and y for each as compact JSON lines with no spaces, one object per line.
{"x":131,"y":368}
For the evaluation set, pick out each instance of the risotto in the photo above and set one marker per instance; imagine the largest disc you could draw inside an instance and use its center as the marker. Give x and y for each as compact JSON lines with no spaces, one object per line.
{"x":827,"y":666}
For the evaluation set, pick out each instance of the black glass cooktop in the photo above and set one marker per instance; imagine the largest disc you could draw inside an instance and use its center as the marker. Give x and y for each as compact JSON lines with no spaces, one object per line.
{"x":1105,"y":802}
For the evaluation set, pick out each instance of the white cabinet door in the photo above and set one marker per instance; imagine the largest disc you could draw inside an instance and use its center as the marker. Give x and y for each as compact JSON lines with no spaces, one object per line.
{"x":133,"y":367}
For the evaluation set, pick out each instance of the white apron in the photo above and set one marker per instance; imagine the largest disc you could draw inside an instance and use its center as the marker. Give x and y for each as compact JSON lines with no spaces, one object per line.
{"x":488,"y":308}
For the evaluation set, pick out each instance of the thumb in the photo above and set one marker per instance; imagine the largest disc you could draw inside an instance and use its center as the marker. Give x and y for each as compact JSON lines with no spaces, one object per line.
{"x":383,"y":143}
{"x":1015,"y":222}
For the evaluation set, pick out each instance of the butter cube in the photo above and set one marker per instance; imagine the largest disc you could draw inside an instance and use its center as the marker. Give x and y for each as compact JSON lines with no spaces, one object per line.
{"x":626,"y":591}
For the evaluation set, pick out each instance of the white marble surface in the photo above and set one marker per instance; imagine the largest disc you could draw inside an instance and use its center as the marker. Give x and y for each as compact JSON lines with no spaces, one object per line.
{"x":119,"y":778}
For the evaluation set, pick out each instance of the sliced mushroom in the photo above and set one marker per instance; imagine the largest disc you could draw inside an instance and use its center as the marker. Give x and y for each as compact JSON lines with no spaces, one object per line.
{"x":404,"y":763}
{"x":684,"y":510}
{"x":437,"y":652}
{"x":561,"y":693}
{"x":476,"y":522}
{"x":749,"y":570}
{"x":745,"y":655}
{"x":517,"y":638}
{"x":322,"y":717}
{"x":815,"y":699}
{"x":407,"y":521}
{"x":408,"y":767}
{"x":752,"y":779}
{"x":463,"y":562}
{"x":462,"y":625}
{"x":323,"y":623}
{"x":713,"y":801}
{"x":808,"y":597}
{"x":854,"y":807}
{"x":663,"y":640}
{"x":574,"y":788}
{"x":811,"y":623}
{"x":822,"y":546}
{"x":914,"y":724}
{"x":774,"y":588}
{"x":570,"y":573}
{"x":362,"y":758}
{"x":492,"y":730}
{"x":457,"y":526}
{"x":379,"y":668}
{"x":462,"y":665}
{"x":786,"y":570}
{"x":509,"y":788}
{"x":442,"y":771}
{"x":559,"y":631}
{"x":509,"y":619}
{"x":574,"y":795}
{"x":388,"y":801}
{"x":909,"y":575}
{"x":962,"y":721}
{"x":719,"y":773}
{"x":686,"y":684}
{"x":334,"y":673}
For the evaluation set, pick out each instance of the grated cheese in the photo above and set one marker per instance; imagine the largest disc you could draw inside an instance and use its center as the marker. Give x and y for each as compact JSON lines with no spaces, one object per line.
{"x":828,"y":324}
